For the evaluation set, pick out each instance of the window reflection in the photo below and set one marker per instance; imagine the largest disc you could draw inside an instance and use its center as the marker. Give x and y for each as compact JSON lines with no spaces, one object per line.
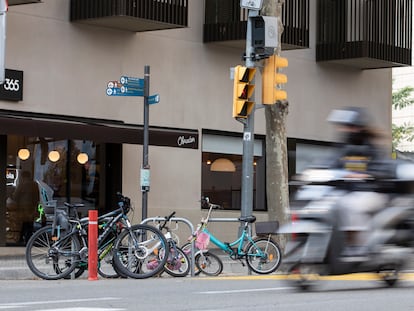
{"x":64,"y":179}
{"x":224,"y":187}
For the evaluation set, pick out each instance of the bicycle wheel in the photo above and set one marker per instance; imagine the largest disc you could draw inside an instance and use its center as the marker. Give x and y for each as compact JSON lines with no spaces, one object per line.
{"x":178,"y":264}
{"x":140,"y":252}
{"x":263,"y":256}
{"x":208,"y":263}
{"x":51,"y":260}
{"x":106,"y":266}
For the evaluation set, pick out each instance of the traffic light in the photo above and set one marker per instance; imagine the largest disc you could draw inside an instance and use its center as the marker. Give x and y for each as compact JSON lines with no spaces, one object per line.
{"x":273,"y":80}
{"x":242,"y":91}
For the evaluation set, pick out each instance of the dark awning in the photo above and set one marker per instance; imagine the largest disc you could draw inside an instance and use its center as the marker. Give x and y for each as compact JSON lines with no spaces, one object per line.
{"x":98,"y":130}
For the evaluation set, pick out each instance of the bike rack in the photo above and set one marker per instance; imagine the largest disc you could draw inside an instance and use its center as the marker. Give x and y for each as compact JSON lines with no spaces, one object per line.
{"x":224,"y":220}
{"x":178,"y":219}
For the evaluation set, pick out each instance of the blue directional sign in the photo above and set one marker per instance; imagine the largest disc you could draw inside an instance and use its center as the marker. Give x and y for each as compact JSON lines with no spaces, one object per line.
{"x":132,"y":82}
{"x":130,"y":86}
{"x":123,"y":91}
{"x":153,"y":99}
{"x":127,"y":86}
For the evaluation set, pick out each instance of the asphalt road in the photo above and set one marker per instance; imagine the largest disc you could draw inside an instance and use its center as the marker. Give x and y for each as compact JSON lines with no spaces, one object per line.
{"x":205,"y":294}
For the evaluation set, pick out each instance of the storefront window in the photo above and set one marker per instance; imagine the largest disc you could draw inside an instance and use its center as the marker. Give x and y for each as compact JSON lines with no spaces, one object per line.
{"x":43,"y":170}
{"x":222,"y":172}
{"x":224,"y":187}
{"x":73,"y":174}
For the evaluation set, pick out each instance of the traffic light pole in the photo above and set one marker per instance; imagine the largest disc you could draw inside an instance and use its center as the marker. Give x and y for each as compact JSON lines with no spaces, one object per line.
{"x":248,"y":134}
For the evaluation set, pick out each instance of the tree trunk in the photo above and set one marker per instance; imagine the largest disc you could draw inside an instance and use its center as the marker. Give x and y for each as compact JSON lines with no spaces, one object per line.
{"x":276,"y":141}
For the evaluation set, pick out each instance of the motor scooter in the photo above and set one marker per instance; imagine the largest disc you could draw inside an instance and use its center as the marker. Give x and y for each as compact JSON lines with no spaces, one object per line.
{"x":317,"y":242}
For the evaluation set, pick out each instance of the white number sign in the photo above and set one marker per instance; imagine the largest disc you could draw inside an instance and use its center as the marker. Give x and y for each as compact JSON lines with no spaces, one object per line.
{"x":11,"y":85}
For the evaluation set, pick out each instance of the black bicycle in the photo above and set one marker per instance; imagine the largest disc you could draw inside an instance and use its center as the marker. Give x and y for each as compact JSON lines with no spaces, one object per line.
{"x":55,"y":251}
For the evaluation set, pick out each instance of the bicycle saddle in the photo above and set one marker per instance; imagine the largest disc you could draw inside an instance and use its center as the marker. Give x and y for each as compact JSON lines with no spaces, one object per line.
{"x":249,"y":219}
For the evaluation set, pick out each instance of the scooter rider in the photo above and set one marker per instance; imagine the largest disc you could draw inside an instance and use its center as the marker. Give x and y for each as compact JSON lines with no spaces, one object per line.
{"x":361,"y":155}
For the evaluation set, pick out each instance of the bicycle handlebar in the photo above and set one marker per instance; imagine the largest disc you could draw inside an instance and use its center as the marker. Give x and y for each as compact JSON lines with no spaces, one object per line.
{"x":215,"y":206}
{"x":167,"y":219}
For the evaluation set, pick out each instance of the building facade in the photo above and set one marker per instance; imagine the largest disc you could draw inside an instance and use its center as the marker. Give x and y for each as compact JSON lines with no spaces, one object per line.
{"x":61,"y":55}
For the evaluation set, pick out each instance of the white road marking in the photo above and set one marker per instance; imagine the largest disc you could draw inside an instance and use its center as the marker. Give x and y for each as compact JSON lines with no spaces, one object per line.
{"x":82,"y":309}
{"x":16,"y":305}
{"x":235,"y":291}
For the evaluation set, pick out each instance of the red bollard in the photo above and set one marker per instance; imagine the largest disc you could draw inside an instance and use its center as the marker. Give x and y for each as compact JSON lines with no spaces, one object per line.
{"x":93,"y":245}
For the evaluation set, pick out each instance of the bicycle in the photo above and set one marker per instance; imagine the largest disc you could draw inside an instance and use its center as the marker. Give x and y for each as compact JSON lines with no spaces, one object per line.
{"x":106,"y":268}
{"x":262,"y":254}
{"x":210,"y":262}
{"x":55,"y":251}
{"x":178,"y":263}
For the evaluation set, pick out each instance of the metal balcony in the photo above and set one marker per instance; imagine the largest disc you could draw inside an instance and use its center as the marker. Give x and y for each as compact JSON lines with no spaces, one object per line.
{"x":366,"y":34}
{"x":226,"y":23}
{"x":131,"y":15}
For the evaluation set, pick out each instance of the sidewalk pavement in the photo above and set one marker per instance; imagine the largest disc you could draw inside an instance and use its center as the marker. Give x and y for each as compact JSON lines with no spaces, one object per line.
{"x":13,"y":265}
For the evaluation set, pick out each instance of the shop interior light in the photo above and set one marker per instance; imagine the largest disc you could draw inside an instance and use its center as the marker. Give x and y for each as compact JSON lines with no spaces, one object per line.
{"x":82,"y":158}
{"x":23,"y":154}
{"x":222,"y":165}
{"x":54,"y":156}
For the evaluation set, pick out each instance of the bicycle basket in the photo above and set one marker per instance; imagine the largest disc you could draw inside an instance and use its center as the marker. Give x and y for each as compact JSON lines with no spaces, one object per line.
{"x":267,"y":227}
{"x":202,"y":240}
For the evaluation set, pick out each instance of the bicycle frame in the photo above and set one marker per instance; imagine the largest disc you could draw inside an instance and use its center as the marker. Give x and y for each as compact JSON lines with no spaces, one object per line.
{"x":229,"y":247}
{"x":77,"y":229}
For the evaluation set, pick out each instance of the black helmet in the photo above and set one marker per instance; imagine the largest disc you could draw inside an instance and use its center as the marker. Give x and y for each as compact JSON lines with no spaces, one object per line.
{"x":351,"y":116}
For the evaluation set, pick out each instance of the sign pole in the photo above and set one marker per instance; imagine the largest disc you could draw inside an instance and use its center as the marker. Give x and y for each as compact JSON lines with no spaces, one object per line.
{"x":132,"y":86}
{"x":145,"y":173}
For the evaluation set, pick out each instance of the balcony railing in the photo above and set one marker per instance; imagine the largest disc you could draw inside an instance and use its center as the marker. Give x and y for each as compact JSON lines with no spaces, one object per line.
{"x":131,"y":15}
{"x":365,"y":33}
{"x":226,"y":22}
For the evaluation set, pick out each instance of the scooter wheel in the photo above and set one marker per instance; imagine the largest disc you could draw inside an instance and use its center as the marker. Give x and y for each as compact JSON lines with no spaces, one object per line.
{"x":303,"y":276}
{"x":390,"y":277}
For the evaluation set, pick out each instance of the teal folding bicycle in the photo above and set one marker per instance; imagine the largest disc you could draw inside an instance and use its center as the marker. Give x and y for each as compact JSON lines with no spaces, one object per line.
{"x":261,"y":253}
